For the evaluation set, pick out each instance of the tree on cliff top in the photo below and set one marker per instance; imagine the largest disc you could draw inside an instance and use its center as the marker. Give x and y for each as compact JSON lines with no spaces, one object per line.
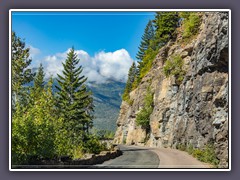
{"x":165,"y":24}
{"x":147,"y":36}
{"x":131,"y":77}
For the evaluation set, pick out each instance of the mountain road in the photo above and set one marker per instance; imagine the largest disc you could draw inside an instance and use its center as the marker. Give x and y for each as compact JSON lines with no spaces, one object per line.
{"x":145,"y":157}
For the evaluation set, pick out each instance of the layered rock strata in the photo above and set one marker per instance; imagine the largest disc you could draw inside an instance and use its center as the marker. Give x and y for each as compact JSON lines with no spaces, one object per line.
{"x":196,"y":110}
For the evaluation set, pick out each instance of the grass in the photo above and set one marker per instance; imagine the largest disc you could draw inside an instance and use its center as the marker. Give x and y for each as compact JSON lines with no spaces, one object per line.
{"x":206,"y":154}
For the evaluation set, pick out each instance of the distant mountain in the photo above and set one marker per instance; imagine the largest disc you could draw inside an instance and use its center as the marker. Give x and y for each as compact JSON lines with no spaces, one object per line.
{"x":107,"y":101}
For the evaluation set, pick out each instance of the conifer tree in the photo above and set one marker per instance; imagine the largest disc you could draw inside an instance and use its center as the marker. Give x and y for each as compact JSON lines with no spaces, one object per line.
{"x":21,"y":73}
{"x":38,"y":85}
{"x":74,"y":101}
{"x":147,"y":36}
{"x":131,"y":77}
{"x":39,"y":78}
{"x":165,"y":24}
{"x":145,"y":44}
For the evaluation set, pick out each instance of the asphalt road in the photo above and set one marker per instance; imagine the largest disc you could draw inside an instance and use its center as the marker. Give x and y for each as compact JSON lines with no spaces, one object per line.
{"x":133,"y":157}
{"x":144,"y":157}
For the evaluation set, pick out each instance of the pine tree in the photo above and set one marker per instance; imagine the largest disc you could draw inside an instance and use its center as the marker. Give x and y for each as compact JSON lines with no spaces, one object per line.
{"x":147,"y":36}
{"x":165,"y":24}
{"x":21,"y":74}
{"x":74,"y":101}
{"x":144,"y":47}
{"x":39,"y":78}
{"x":38,"y":85}
{"x":131,"y":77}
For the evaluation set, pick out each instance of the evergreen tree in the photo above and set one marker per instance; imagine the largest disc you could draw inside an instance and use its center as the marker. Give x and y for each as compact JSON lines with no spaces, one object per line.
{"x":38,"y":85}
{"x":21,"y":74}
{"x":74,"y":101}
{"x":39,"y":78}
{"x":165,"y":24}
{"x":131,"y":77}
{"x":147,"y":36}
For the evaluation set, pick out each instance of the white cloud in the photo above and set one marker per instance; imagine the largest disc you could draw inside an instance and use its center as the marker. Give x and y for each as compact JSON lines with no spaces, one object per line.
{"x":33,"y":51}
{"x":99,"y":68}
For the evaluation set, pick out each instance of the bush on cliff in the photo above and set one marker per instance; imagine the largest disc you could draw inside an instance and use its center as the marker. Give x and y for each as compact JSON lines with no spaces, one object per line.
{"x":174,"y":67}
{"x":143,"y":117}
{"x":191,"y":23}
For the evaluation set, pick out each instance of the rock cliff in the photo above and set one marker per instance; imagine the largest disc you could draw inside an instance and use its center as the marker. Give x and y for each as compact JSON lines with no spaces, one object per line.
{"x":196,"y":110}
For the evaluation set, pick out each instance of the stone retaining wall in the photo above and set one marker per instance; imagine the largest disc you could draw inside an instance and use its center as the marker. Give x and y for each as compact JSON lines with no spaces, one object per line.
{"x":73,"y":164}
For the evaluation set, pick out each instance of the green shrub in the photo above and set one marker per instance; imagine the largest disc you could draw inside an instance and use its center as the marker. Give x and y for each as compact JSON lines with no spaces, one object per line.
{"x":143,"y":117}
{"x":127,"y":99}
{"x":174,"y":66}
{"x":93,"y":145}
{"x":181,"y":147}
{"x":206,"y":154}
{"x":124,"y":140}
{"x":190,"y":149}
{"x":147,"y":60}
{"x":191,"y":23}
{"x":104,"y":134}
{"x":78,"y":152}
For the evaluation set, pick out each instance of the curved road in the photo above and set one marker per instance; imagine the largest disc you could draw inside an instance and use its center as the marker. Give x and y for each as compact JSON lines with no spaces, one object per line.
{"x":144,"y":157}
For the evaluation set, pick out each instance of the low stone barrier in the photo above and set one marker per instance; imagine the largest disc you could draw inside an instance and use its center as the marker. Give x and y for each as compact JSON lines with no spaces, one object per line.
{"x":67,"y":163}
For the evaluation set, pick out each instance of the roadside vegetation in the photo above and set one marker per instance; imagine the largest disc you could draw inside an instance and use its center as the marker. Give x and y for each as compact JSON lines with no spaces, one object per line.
{"x":206,"y":154}
{"x":47,"y":125}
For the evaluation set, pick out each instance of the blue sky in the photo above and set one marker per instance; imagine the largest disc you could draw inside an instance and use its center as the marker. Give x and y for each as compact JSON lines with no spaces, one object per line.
{"x":50,"y":34}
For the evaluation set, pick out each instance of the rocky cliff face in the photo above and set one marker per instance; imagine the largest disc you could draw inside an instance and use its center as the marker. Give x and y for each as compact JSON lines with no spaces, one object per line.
{"x":194,"y":112}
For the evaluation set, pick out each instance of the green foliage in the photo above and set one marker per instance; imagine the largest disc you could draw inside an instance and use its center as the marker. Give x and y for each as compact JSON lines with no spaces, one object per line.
{"x":75,"y":104}
{"x":150,"y":54}
{"x":104,"y":134}
{"x":147,"y":36}
{"x":39,"y":78}
{"x":93,"y":145}
{"x":124,"y":140}
{"x":78,"y":152}
{"x":206,"y":154}
{"x":174,"y":66}
{"x":21,"y":73}
{"x":33,"y":132}
{"x":181,"y":147}
{"x":191,"y":23}
{"x":143,"y":117}
{"x":165,"y":24}
{"x":38,"y":85}
{"x":128,"y":87}
{"x":47,"y":127}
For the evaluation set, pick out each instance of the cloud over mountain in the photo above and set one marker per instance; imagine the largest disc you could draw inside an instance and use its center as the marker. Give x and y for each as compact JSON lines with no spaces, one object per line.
{"x":99,"y":68}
